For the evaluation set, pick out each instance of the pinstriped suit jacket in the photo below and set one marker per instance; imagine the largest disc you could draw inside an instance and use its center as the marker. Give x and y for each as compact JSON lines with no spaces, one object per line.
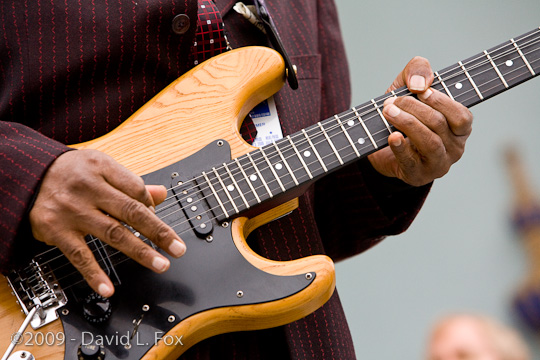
{"x":72,"y":72}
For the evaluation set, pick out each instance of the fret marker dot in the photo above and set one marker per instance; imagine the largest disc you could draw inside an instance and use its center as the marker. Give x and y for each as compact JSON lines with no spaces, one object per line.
{"x":279,"y":166}
{"x":307,"y":153}
{"x":230,"y":187}
{"x":137,"y":234}
{"x":509,"y":63}
{"x":350,"y":122}
{"x":361,"y":141}
{"x":189,"y":200}
{"x":459,"y":86}
{"x":253,"y":177}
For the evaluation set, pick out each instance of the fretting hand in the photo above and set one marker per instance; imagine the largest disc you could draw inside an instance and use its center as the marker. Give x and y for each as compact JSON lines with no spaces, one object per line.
{"x":87,"y":192}
{"x":436,"y":127}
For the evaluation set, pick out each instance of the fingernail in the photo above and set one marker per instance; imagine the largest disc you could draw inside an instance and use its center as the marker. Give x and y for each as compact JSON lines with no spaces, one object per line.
{"x":177,"y":248}
{"x":392,"y":110}
{"x":152,"y":209}
{"x":425,"y":95}
{"x":417,"y":82}
{"x":104,"y":290}
{"x":160,"y":264}
{"x":397,"y":142}
{"x":389,"y":101}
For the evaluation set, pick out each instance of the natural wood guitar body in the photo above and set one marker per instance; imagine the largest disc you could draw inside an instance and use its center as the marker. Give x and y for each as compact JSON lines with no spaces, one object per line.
{"x":207,"y":103}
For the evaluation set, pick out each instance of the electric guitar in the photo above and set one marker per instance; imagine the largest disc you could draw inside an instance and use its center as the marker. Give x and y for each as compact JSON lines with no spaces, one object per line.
{"x":220,"y":189}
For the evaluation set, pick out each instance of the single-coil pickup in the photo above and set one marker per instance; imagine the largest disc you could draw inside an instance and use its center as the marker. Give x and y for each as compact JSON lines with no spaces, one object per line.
{"x":189,"y":197}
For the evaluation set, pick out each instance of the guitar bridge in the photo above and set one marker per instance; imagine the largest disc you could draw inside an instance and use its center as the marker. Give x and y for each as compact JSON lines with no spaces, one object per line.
{"x":37,"y":286}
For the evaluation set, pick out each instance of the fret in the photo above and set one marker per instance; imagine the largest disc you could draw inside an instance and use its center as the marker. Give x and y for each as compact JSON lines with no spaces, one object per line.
{"x":471,"y":81}
{"x":459,"y":84}
{"x":529,"y":44}
{"x":226,"y":189}
{"x":347,"y":135}
{"x":300,"y":157}
{"x":271,"y":167}
{"x":248,"y":181}
{"x":523,"y":57}
{"x":240,"y":192}
{"x":485,"y":78}
{"x":365,"y":128}
{"x":260,"y":175}
{"x":377,"y":107}
{"x":216,"y":196}
{"x":340,"y":140}
{"x":510,"y":64}
{"x":331,"y":143}
{"x":496,"y":69}
{"x":286,"y":164}
{"x":315,"y":151}
{"x":444,"y":85}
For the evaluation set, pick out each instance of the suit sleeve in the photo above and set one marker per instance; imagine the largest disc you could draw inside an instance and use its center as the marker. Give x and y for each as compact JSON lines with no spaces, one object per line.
{"x":25,"y":155}
{"x":356,"y":207}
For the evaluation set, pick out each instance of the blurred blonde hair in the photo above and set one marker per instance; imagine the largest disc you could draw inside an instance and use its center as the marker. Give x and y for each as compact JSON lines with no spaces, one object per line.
{"x":507,"y":342}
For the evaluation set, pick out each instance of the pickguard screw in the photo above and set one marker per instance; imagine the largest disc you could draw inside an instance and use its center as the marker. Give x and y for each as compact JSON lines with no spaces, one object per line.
{"x":174,"y":174}
{"x":171,"y":318}
{"x":209,"y":238}
{"x":145,"y":308}
{"x":220,"y":143}
{"x":239,"y":293}
{"x":309,"y":276}
{"x":65,"y":312}
{"x":224,"y":224}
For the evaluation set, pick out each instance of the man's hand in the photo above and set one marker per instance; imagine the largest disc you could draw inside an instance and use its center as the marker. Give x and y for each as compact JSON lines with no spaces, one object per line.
{"x":436,"y":127}
{"x":87,"y":192}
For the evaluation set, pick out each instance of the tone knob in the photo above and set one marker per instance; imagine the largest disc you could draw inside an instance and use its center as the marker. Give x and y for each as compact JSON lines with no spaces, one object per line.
{"x":96,"y":308}
{"x":90,"y":352}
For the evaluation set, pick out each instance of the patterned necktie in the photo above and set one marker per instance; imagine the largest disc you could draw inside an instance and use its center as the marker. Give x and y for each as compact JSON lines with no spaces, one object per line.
{"x":210,"y":40}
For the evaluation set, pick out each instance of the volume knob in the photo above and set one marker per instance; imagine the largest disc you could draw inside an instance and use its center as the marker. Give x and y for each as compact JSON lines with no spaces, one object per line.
{"x":96,"y":308}
{"x":90,"y":352}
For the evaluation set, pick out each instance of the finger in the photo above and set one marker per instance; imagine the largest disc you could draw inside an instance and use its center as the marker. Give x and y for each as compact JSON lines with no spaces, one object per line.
{"x":406,"y":158}
{"x":82,"y":258}
{"x":157,"y":192}
{"x":428,"y":143}
{"x":126,"y":181}
{"x":140,"y":217}
{"x":417,"y":76}
{"x":458,"y":117}
{"x":121,"y":238}
{"x":430,"y":117}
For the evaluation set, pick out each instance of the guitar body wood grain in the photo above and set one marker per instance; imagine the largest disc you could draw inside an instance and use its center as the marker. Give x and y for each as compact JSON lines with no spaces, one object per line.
{"x":206,"y":104}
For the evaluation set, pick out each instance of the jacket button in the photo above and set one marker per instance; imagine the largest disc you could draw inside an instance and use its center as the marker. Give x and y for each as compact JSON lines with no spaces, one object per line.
{"x":180,"y":24}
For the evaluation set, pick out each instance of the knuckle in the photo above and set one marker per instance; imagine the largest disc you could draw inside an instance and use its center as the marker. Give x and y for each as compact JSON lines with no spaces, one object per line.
{"x":162,"y":233}
{"x":142,"y":252}
{"x":134,"y":212}
{"x":81,"y":258}
{"x":115,"y":234}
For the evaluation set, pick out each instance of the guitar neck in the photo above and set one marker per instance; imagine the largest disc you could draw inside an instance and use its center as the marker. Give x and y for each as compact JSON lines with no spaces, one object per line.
{"x":335,"y":142}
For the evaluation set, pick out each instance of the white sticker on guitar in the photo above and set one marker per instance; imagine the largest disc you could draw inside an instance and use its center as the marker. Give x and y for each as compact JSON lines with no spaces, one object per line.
{"x":266,"y":120}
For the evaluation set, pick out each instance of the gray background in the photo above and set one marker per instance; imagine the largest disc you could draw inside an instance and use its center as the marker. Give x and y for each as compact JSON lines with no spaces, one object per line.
{"x":461,"y":253}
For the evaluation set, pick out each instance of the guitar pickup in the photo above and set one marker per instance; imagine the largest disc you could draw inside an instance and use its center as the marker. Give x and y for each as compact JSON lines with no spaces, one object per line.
{"x":189,"y":197}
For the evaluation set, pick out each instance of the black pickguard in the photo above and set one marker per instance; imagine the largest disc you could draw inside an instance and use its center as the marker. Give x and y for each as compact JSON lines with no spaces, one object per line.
{"x":208,"y":276}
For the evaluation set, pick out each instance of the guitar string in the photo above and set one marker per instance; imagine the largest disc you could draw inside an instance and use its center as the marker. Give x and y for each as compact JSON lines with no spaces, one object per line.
{"x":272,"y":154}
{"x":376,"y":115}
{"x":125,"y":258}
{"x":323,"y":140}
